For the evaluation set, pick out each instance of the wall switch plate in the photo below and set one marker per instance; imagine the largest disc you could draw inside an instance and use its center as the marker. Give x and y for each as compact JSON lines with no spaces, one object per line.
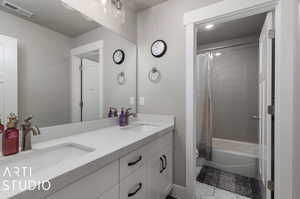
{"x":142,"y":101}
{"x":132,"y":100}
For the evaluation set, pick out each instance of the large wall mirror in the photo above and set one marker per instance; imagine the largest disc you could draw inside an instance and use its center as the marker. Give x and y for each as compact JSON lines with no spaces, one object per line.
{"x":65,"y":68}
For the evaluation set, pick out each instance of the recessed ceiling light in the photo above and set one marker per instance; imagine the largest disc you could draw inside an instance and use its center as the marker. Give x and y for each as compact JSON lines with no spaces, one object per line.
{"x":218,"y":54}
{"x":209,"y":26}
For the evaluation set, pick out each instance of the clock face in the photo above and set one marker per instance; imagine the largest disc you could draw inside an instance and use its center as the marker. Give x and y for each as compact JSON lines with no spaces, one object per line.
{"x":158,"y":48}
{"x":118,"y":56}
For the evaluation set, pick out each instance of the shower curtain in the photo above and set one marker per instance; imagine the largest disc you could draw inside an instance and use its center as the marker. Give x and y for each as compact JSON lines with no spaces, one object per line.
{"x":204,"y":106}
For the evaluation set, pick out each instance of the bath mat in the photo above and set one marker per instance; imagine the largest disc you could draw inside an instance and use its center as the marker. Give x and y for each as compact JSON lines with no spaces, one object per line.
{"x":242,"y":185}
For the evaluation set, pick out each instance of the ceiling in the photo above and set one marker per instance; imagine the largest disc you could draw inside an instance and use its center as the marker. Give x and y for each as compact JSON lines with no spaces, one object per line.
{"x":244,"y":27}
{"x":52,"y":14}
{"x":139,"y":5}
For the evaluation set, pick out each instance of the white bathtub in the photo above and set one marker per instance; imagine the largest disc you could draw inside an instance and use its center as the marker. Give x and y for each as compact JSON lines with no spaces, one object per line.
{"x":235,"y":157}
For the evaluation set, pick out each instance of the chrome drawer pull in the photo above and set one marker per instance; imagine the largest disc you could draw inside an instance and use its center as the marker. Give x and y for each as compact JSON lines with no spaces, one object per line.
{"x":136,"y":191}
{"x":162,"y":164}
{"x":135,"y":162}
{"x":166,"y":161}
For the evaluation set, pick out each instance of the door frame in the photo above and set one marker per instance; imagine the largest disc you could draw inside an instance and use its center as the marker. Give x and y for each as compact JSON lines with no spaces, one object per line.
{"x":75,"y":77}
{"x":228,"y":10}
{"x":9,"y":77}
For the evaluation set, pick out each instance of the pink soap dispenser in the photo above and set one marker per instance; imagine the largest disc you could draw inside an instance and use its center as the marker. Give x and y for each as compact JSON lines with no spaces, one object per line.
{"x":10,"y":137}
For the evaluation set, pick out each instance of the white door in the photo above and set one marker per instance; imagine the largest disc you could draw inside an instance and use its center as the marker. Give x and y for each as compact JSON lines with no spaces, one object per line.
{"x":90,"y":90}
{"x":265,"y":100}
{"x":8,"y":76}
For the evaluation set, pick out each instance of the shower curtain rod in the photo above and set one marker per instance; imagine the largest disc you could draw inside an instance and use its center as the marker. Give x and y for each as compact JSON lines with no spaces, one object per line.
{"x":226,"y":46}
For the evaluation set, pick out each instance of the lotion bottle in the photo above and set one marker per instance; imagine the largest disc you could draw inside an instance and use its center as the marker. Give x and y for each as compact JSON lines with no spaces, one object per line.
{"x":1,"y":126}
{"x":10,"y":137}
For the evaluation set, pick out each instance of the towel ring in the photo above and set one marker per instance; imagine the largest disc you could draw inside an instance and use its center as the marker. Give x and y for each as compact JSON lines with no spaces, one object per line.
{"x":121,"y":78}
{"x":154,"y":75}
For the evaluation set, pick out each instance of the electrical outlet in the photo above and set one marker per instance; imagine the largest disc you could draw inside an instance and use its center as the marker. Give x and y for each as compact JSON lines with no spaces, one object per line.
{"x":132,"y":100}
{"x":142,"y":101}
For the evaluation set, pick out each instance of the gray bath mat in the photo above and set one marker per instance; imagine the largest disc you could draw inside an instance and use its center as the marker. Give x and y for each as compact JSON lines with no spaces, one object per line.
{"x":234,"y":183}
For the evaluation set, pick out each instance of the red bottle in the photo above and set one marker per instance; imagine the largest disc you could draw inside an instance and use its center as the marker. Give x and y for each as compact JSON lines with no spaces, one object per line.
{"x":10,"y":137}
{"x":1,"y":127}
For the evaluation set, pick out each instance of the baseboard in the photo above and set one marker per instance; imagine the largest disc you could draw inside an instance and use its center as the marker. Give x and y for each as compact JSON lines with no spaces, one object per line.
{"x":167,"y":191}
{"x":178,"y":192}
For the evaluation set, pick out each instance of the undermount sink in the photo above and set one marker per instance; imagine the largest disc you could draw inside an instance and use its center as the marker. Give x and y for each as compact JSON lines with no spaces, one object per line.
{"x":140,"y":127}
{"x":41,"y":159}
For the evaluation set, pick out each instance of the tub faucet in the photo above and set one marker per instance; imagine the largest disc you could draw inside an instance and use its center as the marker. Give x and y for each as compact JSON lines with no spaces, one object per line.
{"x":28,"y":127}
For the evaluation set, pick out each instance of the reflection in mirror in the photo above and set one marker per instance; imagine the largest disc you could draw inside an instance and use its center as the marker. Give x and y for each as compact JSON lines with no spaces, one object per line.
{"x":65,"y":69}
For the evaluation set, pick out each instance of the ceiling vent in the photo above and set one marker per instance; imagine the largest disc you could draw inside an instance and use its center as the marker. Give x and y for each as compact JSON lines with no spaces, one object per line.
{"x":17,"y":9}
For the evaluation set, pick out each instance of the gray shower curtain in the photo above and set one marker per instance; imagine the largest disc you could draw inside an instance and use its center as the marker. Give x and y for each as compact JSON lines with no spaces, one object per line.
{"x":204,"y":107}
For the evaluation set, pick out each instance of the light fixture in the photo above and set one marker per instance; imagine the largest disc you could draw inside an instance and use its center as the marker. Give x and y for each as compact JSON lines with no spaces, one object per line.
{"x":114,"y":8}
{"x":209,"y":26}
{"x":218,"y":54}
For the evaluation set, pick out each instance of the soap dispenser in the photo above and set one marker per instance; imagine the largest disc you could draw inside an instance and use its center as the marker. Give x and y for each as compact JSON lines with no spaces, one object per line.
{"x":110,"y":113}
{"x":1,"y":126}
{"x":10,"y":137}
{"x":122,"y":118}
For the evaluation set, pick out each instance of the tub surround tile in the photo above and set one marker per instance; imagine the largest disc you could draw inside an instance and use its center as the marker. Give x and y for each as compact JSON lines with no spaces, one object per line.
{"x":234,"y":183}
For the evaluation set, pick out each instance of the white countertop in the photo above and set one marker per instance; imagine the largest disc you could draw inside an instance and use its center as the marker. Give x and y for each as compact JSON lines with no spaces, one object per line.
{"x":109,"y":144}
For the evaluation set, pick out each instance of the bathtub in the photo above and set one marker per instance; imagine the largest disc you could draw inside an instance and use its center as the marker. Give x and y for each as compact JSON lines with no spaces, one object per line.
{"x":235,"y":157}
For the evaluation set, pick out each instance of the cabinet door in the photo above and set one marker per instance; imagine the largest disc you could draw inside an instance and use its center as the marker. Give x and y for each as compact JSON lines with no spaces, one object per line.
{"x":167,"y":174}
{"x":160,"y":171}
{"x":154,"y":169}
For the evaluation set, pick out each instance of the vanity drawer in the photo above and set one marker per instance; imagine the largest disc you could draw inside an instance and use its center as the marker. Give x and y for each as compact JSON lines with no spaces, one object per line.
{"x":111,"y":194}
{"x":91,"y":186}
{"x":132,"y":162}
{"x":134,"y":186}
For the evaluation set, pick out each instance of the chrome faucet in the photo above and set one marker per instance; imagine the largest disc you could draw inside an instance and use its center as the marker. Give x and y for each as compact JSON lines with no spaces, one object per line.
{"x":27,"y":127}
{"x":128,"y":114}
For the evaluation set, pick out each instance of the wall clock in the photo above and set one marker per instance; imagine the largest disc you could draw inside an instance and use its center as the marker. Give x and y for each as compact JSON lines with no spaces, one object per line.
{"x":118,"y":56}
{"x":159,"y":48}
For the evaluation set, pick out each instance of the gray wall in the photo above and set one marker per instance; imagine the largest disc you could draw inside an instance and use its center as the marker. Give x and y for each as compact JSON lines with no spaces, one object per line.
{"x":114,"y":94}
{"x":165,"y":21}
{"x":235,"y":94}
{"x":43,"y":69}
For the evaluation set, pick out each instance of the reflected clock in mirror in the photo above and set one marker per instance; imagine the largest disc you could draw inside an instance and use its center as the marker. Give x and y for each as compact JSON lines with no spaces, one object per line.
{"x":159,"y":48}
{"x":119,"y":56}
{"x":65,"y":72}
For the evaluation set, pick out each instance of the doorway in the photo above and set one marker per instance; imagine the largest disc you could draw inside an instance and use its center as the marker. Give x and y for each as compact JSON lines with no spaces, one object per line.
{"x":87,"y":82}
{"x":262,"y":117}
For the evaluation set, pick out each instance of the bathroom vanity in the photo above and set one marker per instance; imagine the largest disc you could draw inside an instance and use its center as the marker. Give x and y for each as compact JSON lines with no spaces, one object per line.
{"x":68,"y":71}
{"x":111,"y":162}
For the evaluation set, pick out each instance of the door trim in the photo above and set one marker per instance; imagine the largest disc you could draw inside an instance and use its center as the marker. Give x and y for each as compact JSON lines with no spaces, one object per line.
{"x":75,"y":77}
{"x":228,"y":10}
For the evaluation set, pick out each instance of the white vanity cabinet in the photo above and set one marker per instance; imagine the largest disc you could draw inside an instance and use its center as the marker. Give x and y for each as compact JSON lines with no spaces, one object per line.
{"x":160,"y":169}
{"x":146,"y":173}
{"x":91,"y":186}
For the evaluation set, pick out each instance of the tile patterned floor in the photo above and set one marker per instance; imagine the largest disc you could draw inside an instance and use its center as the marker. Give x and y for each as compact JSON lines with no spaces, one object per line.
{"x":204,"y":191}
{"x":232,"y":183}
